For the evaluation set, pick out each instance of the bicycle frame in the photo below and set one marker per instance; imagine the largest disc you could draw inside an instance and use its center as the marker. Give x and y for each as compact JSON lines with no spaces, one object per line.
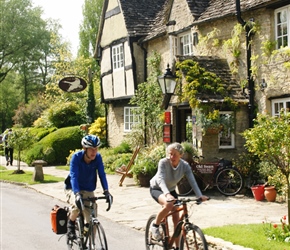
{"x":83,"y":237}
{"x":183,"y":219}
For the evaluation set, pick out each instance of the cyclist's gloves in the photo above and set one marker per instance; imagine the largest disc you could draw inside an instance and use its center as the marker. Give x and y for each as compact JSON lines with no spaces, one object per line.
{"x":109,"y":198}
{"x":78,"y":201}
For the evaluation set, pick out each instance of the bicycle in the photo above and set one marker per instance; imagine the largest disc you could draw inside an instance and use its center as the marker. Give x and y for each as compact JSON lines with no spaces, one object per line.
{"x":91,"y":235}
{"x":221,"y":174}
{"x":192,"y":236}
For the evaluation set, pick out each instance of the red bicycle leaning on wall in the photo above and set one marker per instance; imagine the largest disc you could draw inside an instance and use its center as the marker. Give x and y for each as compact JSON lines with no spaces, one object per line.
{"x":221,"y":174}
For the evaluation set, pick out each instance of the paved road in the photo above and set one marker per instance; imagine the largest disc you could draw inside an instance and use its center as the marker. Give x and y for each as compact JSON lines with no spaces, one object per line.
{"x":26,"y":224}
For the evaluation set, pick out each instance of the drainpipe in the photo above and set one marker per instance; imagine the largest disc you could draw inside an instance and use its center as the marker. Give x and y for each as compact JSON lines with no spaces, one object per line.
{"x":251,"y":87}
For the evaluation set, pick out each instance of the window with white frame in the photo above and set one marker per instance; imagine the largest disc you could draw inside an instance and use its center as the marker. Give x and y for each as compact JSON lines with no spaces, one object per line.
{"x":185,"y":43}
{"x":131,"y":118}
{"x":118,"y":56}
{"x":282,"y":25}
{"x":182,"y":45}
{"x":281,"y":104}
{"x":227,"y":138}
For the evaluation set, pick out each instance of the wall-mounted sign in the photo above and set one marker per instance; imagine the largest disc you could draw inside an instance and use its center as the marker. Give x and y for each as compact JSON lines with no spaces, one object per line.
{"x":72,"y":84}
{"x":167,"y":133}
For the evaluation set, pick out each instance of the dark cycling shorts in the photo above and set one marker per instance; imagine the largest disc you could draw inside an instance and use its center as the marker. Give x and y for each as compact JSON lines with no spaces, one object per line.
{"x":156,"y":192}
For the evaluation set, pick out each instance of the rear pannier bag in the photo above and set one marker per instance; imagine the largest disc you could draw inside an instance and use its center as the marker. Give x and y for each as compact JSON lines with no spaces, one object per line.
{"x":58,"y":217}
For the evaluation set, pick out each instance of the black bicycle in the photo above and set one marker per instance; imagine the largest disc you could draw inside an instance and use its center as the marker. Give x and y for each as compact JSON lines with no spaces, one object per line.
{"x":90,"y":236}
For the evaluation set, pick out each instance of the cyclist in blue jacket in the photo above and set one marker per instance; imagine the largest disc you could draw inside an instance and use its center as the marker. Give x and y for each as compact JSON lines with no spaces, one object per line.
{"x":85,"y":165}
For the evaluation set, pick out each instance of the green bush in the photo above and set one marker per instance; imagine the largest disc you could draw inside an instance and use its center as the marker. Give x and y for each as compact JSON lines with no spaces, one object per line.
{"x":55,"y":147}
{"x":70,"y":111}
{"x":124,"y":147}
{"x":40,"y":133}
{"x":147,"y":161}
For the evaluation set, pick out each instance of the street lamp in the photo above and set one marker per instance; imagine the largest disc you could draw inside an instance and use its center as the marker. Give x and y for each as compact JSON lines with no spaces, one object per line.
{"x":167,"y":84}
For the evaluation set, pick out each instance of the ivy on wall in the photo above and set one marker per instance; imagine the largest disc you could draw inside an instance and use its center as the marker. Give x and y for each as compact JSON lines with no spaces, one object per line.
{"x":199,"y":85}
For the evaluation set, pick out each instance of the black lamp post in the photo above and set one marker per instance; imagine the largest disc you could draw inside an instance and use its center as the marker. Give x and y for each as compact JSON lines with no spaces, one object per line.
{"x":167,"y":84}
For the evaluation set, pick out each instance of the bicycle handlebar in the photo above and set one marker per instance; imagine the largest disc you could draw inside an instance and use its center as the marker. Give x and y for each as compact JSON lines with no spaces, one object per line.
{"x":93,"y":199}
{"x":181,"y":201}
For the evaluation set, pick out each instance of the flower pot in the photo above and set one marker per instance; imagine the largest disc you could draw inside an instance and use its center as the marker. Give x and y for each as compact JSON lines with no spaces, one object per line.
{"x":212,"y":131}
{"x":258,"y":192}
{"x":270,"y":193}
{"x":144,"y":179}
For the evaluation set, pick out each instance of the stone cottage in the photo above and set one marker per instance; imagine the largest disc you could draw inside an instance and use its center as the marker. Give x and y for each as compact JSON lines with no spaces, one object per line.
{"x":245,"y":43}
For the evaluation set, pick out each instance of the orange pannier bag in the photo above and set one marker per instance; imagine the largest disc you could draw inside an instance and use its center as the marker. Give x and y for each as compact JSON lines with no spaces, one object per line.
{"x":58,"y":217}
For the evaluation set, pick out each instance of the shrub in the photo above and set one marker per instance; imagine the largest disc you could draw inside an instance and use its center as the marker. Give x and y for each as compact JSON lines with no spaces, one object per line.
{"x":55,"y":147}
{"x":26,"y":114}
{"x":99,"y":128}
{"x":70,"y":111}
{"x":39,"y":133}
{"x":147,"y":162}
{"x":124,"y":147}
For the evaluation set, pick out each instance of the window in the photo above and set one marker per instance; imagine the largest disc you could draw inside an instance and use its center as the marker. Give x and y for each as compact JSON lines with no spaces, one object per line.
{"x":182,"y":45}
{"x":282,"y":24}
{"x":118,"y":56}
{"x":185,"y":45}
{"x":227,"y":138}
{"x":280,"y":104}
{"x":131,"y":118}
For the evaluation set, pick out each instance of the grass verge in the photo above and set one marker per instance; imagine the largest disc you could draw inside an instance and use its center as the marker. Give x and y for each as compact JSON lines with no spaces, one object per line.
{"x":250,"y":235}
{"x":26,"y":177}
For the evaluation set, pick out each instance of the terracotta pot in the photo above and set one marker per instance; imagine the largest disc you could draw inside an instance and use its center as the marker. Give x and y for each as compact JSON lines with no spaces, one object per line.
{"x":270,"y":193}
{"x":258,"y":192}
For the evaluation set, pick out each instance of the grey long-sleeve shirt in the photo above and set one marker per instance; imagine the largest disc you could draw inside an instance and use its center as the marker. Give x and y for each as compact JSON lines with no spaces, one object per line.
{"x":167,"y":177}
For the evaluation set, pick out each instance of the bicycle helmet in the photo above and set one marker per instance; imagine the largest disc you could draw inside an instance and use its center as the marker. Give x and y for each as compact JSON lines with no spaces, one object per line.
{"x":91,"y":141}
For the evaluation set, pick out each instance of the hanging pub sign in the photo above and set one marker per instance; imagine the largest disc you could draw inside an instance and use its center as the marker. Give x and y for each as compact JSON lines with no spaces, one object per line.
{"x":167,"y":133}
{"x":72,"y":84}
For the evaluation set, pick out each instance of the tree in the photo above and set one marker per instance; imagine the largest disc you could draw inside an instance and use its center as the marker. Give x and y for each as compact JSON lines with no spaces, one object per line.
{"x":23,"y":33}
{"x":269,"y":140}
{"x":92,"y":10}
{"x":20,"y":139}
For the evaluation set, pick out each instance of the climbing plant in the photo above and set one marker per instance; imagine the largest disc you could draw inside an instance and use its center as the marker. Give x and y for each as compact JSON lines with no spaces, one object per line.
{"x":148,"y":98}
{"x":198,"y":85}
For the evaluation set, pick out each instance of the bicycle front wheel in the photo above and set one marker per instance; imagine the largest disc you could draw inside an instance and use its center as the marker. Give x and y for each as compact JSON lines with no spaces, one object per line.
{"x":150,"y":243}
{"x":98,"y":239}
{"x":192,"y":238}
{"x":229,"y":181}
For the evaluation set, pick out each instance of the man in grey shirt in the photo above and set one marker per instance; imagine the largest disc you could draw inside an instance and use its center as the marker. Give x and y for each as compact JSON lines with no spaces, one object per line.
{"x":162,"y":185}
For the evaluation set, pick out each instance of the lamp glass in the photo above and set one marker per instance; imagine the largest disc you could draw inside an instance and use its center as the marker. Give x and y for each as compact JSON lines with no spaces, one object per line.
{"x":167,"y":82}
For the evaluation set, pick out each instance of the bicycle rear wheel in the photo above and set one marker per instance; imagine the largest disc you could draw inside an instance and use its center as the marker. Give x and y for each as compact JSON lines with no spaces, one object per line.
{"x":193,"y":238}
{"x":229,"y":181}
{"x":183,"y":188}
{"x":150,"y":243}
{"x":98,"y":240}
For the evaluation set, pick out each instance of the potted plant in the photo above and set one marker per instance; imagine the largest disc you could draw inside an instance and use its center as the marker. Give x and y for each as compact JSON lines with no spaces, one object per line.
{"x":188,"y":151}
{"x":145,"y":166}
{"x":143,"y":170}
{"x":214,"y":122}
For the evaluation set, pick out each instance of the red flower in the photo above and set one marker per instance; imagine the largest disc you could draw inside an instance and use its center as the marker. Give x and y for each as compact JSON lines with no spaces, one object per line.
{"x":284,"y":217}
{"x":275,"y":225}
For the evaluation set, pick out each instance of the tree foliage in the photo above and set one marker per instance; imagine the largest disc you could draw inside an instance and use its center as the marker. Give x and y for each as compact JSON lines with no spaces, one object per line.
{"x":269,"y":140}
{"x":28,"y":48}
{"x":89,"y":28}
{"x":20,"y":139}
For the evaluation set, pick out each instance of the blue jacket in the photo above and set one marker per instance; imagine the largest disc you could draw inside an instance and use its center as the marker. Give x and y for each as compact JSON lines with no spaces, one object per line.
{"x":83,"y":176}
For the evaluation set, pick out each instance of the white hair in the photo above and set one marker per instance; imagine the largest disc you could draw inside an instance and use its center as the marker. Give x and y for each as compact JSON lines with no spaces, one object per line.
{"x":177,"y":146}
